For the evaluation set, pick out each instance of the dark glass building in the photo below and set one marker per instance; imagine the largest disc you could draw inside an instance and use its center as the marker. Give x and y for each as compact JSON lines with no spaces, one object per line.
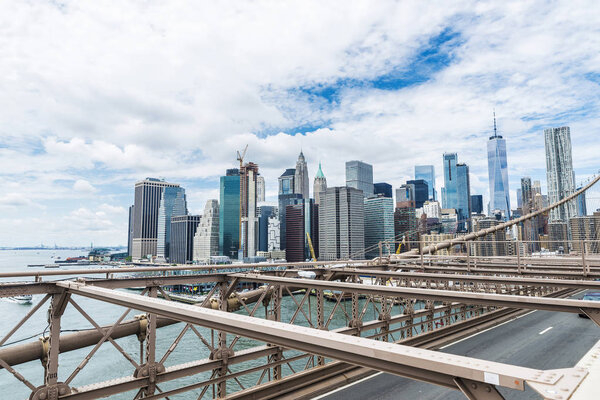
{"x":286,"y":197}
{"x":405,"y":226}
{"x":427,"y":173}
{"x":382,"y":188}
{"x":421,"y":190}
{"x":301,"y":219}
{"x":183,"y":229}
{"x":263,"y":226}
{"x":294,"y":234}
{"x":229,"y":214}
{"x":477,"y":204}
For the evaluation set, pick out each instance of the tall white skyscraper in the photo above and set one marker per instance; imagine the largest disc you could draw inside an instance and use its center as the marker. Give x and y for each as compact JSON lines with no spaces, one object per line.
{"x":559,"y":172}
{"x":248,"y":216}
{"x":301,"y":182}
{"x":498,"y":174}
{"x":206,"y":240}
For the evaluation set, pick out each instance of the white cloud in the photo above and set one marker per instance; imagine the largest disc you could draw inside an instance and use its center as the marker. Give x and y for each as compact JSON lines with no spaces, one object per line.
{"x":83,"y":186}
{"x":118,"y":93}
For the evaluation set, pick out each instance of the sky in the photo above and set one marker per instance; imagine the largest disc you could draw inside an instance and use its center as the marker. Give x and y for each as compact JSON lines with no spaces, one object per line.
{"x":95,"y":96}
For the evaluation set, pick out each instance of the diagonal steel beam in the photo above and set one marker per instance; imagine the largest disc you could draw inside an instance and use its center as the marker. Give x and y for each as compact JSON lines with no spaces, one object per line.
{"x":429,"y":366}
{"x":567,"y":283}
{"x":499,"y":300}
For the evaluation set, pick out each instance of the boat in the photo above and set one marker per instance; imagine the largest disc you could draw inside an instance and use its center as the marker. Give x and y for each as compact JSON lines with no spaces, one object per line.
{"x":51,"y":266}
{"x":21,"y":299}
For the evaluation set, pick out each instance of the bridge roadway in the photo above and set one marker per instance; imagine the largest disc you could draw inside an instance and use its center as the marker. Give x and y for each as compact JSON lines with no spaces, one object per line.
{"x":525,"y":341}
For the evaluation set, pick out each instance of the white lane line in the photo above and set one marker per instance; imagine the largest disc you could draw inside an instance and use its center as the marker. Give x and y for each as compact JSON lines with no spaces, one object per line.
{"x":545,"y":330}
{"x":443,"y":347}
{"x":347,"y":386}
{"x":485,"y":330}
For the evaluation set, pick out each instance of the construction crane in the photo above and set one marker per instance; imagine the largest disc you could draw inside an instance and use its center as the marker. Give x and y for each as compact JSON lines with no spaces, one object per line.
{"x":310,"y":246}
{"x":240,"y":158}
{"x":403,"y":242}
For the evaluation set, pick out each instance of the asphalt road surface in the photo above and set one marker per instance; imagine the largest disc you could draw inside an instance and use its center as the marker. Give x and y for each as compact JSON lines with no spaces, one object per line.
{"x":540,"y":339}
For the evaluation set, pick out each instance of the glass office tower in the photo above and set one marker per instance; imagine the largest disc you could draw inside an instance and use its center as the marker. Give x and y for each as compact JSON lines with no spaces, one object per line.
{"x":229,"y":214}
{"x":456,"y":192}
{"x":172,"y":204}
{"x":427,"y":173}
{"x":498,"y":174}
{"x":359,"y":175}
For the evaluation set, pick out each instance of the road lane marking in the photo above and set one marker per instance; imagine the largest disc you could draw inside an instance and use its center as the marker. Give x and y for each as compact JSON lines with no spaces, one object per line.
{"x":545,"y":330}
{"x":485,"y":330}
{"x":346,"y":386}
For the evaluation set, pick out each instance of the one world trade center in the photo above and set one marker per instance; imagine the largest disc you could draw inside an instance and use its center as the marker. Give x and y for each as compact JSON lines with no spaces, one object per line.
{"x":498,"y":174}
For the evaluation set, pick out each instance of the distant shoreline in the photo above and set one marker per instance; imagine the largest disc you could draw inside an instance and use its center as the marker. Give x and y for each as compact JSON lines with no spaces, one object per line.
{"x":60,"y":248}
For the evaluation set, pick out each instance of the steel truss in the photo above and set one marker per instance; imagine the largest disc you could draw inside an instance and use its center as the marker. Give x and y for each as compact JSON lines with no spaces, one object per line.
{"x":473,"y":298}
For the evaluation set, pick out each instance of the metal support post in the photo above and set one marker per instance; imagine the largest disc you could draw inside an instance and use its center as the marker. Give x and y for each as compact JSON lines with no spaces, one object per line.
{"x":222,"y":351}
{"x":519,"y":256}
{"x":276,"y":315}
{"x":355,"y":322}
{"x":583,"y":261}
{"x":421,"y":252}
{"x":468,"y":256}
{"x":320,"y":319}
{"x":52,"y":389}
{"x":380,"y":253}
{"x":150,"y":368}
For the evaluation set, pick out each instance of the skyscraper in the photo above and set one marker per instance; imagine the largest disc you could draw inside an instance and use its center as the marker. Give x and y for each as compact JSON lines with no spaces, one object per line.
{"x":427,"y":173}
{"x":498,"y":174}
{"x":526,"y":193}
{"x":559,"y":172}
{"x":319,"y":185}
{"x":249,"y":219}
{"x":206,"y":239}
{"x":229,"y":213}
{"x":382,"y":188}
{"x":421,"y":191}
{"x":145,"y":216}
{"x":405,"y":195}
{"x":287,"y":196}
{"x":172,"y":203}
{"x":264,"y":216}
{"x":581,"y":204}
{"x":301,"y":183}
{"x":456,"y":192}
{"x":476,"y":203}
{"x":260,"y":189}
{"x":359,"y":175}
{"x":379,"y":224}
{"x":341,"y":224}
{"x":464,"y":195}
{"x":183,"y":229}
{"x":301,"y":219}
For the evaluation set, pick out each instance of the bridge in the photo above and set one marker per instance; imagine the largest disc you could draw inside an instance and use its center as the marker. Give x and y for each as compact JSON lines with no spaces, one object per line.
{"x":397,"y":312}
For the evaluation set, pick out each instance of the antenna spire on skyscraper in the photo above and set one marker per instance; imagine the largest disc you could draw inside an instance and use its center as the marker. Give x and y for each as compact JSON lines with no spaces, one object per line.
{"x":495,"y":132}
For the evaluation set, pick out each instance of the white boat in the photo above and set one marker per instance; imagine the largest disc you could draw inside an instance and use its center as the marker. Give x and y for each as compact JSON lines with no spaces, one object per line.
{"x":21,"y":299}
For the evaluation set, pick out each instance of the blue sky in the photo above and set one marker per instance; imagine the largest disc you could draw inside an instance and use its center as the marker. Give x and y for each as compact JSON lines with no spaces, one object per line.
{"x":96,"y":97}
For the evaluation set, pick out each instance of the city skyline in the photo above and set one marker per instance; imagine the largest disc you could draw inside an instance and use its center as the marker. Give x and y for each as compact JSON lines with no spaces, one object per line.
{"x":76,"y":137}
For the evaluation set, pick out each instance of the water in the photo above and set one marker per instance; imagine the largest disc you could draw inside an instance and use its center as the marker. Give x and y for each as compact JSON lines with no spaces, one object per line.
{"x":108,"y":363}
